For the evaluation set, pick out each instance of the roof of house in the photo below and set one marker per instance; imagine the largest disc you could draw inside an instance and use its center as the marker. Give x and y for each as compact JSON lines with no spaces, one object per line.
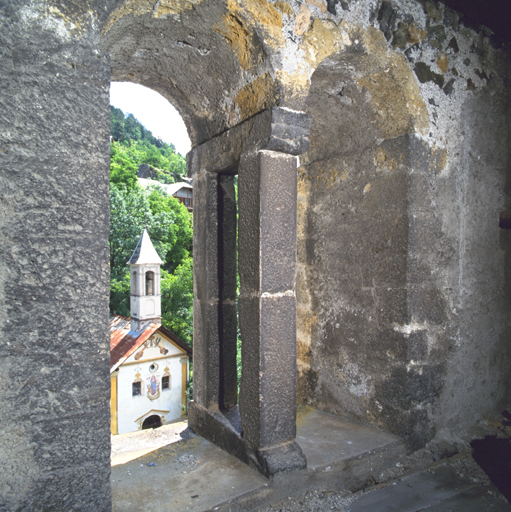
{"x":173,"y":188}
{"x":124,"y":342}
{"x":145,"y":253}
{"x":170,"y":188}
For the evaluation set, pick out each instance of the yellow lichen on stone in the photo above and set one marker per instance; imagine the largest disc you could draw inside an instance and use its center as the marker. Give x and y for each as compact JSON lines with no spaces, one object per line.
{"x":255,"y":96}
{"x":367,"y":188}
{"x":376,"y":47}
{"x":442,"y":62}
{"x":261,"y":14}
{"x":73,"y":27}
{"x":129,"y":7}
{"x":438,"y":160}
{"x":382,"y":160}
{"x":380,"y":157}
{"x":303,"y":19}
{"x":293,"y":86}
{"x":323,"y":39}
{"x":318,"y":3}
{"x":238,"y":35}
{"x":415,"y":35}
{"x":305,"y":321}
{"x":396,"y":99}
{"x":285,"y":8}
{"x":174,"y":6}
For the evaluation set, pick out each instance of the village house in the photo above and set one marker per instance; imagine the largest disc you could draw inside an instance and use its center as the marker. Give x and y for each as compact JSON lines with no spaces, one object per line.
{"x":181,"y":190}
{"x":148,"y":364}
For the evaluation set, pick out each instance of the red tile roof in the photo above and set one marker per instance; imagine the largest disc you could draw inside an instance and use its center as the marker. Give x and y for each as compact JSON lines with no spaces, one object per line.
{"x":124,"y":342}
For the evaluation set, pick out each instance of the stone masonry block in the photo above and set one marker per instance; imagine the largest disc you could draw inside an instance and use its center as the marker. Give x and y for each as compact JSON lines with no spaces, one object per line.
{"x":206,"y":353}
{"x":227,"y":238}
{"x":268,"y":387}
{"x":205,"y":237}
{"x":248,"y":231}
{"x":278,"y":221}
{"x":228,"y":328}
{"x":250,"y":329}
{"x":275,"y":129}
{"x":278,"y":370}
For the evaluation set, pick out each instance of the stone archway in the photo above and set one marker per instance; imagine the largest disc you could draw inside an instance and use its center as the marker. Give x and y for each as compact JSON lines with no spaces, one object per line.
{"x":355,"y":224}
{"x":54,"y":221}
{"x":210,"y":62}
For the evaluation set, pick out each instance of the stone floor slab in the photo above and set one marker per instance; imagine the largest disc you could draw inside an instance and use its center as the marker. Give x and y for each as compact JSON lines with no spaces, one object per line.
{"x":477,"y":499}
{"x":439,"y":489}
{"x":194,"y":475}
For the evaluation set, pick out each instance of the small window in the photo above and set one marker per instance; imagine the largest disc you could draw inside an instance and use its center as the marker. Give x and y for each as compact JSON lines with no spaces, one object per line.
{"x":165,"y":382}
{"x":149,"y":283}
{"x":136,"y":388}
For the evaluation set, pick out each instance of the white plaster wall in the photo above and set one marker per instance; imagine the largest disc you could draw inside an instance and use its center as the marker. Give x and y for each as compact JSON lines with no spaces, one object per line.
{"x":130,"y":407}
{"x":145,"y":306}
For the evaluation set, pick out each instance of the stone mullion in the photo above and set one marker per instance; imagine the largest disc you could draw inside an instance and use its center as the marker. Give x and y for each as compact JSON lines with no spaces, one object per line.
{"x":267,"y":259}
{"x":262,"y":150}
{"x":206,"y":339}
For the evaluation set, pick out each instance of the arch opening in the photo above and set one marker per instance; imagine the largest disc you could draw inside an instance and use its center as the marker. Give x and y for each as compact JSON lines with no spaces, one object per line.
{"x":149,"y":283}
{"x":153,"y":421}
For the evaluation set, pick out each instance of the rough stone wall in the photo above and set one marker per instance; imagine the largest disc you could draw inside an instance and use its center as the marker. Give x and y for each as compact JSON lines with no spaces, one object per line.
{"x":54,"y":350}
{"x":402,"y":291}
{"x":403,"y":295}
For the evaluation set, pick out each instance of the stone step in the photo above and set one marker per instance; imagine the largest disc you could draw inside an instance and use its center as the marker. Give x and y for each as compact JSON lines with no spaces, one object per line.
{"x":194,"y":475}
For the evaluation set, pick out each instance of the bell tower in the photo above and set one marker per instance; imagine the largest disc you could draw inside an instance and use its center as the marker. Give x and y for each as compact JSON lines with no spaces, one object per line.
{"x":145,"y":297}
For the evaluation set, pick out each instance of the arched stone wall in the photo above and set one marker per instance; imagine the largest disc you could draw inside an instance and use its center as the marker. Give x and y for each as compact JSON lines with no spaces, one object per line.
{"x":385,"y":226}
{"x":398,"y":237}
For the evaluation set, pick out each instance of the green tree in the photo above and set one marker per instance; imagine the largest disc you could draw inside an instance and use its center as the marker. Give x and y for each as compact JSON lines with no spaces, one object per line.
{"x":177,"y":300}
{"x":123,"y":169}
{"x":182,"y":229}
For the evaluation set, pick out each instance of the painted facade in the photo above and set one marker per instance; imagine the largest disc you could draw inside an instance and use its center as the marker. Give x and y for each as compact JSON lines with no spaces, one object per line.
{"x":149,"y":382}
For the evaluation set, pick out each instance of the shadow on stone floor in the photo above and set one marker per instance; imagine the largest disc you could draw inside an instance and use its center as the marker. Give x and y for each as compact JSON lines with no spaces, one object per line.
{"x":494,"y":456}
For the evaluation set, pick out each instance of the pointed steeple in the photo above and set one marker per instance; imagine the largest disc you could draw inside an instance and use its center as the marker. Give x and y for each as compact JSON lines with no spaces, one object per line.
{"x":145,"y":299}
{"x":144,"y":252}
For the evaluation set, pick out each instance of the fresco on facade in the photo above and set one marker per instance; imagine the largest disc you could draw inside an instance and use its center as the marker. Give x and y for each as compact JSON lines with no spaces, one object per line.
{"x":153,"y":387}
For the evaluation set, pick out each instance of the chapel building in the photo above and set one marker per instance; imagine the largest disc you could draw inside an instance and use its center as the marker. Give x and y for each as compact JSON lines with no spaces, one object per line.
{"x":148,"y":364}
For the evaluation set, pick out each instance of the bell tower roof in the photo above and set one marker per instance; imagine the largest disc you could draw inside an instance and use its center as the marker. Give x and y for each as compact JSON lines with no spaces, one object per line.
{"x":145,"y":253}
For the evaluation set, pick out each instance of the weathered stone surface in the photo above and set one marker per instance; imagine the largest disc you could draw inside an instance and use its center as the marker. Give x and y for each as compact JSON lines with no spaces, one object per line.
{"x":387,"y":19}
{"x":424,"y":74}
{"x":387,"y":328}
{"x":277,"y":222}
{"x":403,"y":318}
{"x":54,"y":433}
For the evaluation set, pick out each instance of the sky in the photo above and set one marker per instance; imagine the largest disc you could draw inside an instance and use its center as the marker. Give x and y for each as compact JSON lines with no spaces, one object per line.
{"x":153,"y":111}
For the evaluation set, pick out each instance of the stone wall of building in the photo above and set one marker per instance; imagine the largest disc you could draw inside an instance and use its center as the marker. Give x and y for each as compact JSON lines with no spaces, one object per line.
{"x":402,"y":288}
{"x":403,"y":292}
{"x":54,"y":221}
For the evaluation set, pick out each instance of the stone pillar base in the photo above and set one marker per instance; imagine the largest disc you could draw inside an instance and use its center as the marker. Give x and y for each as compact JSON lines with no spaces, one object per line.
{"x":224,"y":431}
